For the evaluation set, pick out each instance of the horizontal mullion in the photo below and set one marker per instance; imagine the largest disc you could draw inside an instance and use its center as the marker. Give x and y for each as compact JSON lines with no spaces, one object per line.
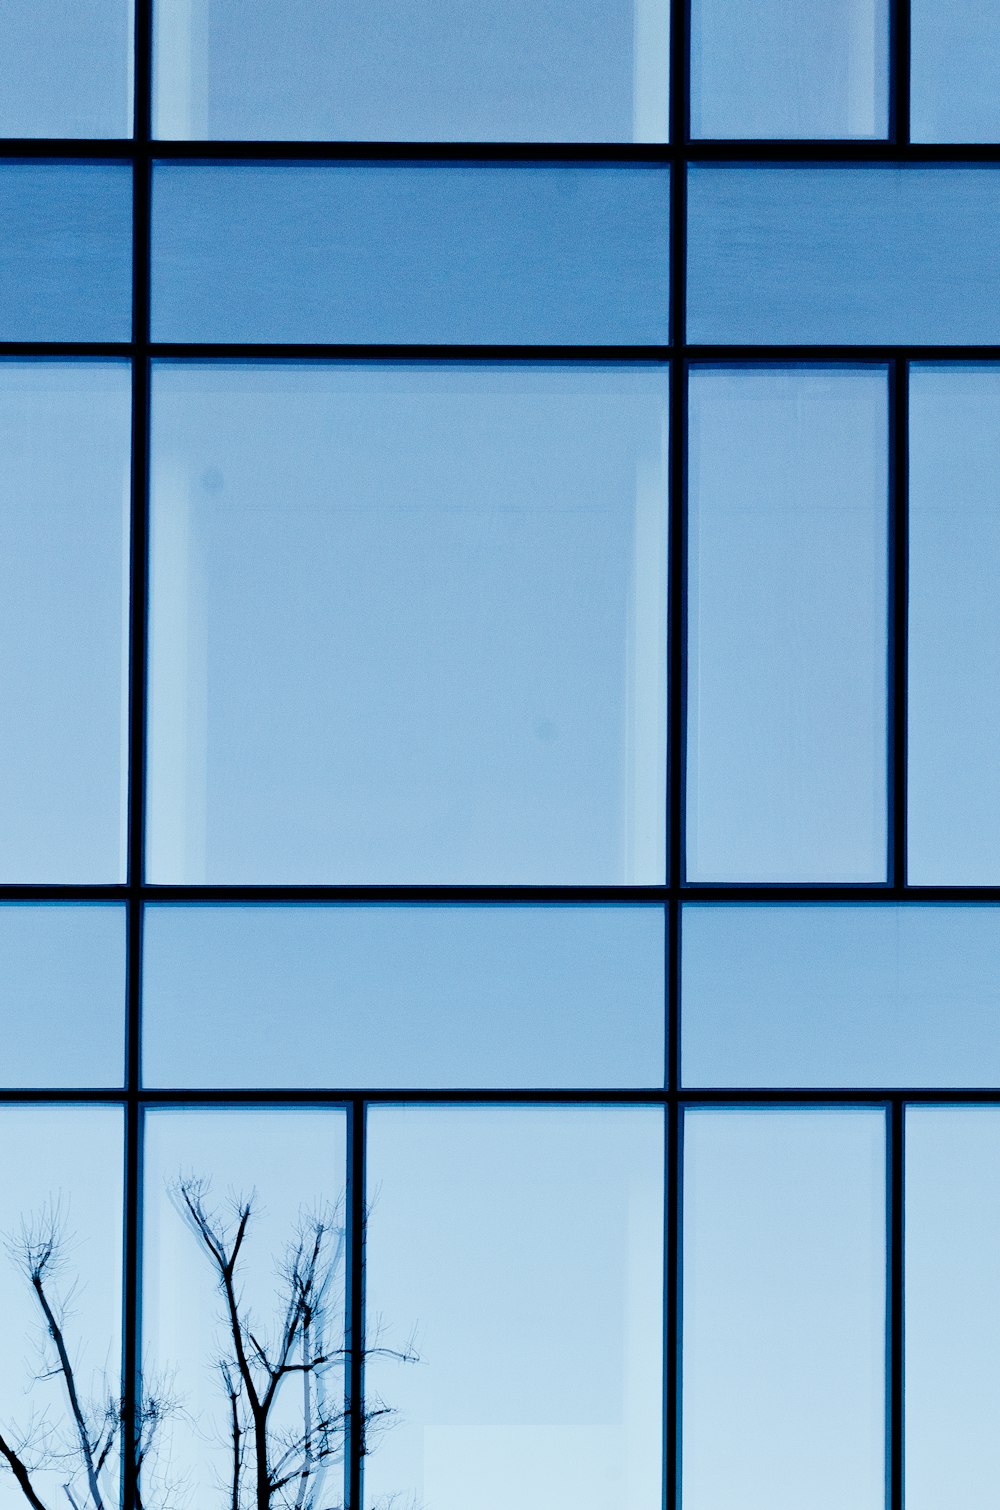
{"x":477,"y":894}
{"x":762,"y":355}
{"x":721,"y":1096}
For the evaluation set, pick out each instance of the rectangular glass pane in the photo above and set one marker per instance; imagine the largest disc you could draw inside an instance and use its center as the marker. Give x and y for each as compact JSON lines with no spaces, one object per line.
{"x":65,"y":251}
{"x":801,"y":255}
{"x":372,"y":70}
{"x":524,"y":1244}
{"x":954,"y":626}
{"x":803,"y":995}
{"x":784,"y":1310}
{"x":786,"y":762}
{"x":65,"y":431}
{"x":778,"y":68}
{"x":403,"y":996}
{"x":61,"y":1216}
{"x":62,"y":990}
{"x":432,"y":253}
{"x":954,"y":64}
{"x":66,"y":69}
{"x":281,"y":1175}
{"x":429,"y":602}
{"x":952,"y":1307}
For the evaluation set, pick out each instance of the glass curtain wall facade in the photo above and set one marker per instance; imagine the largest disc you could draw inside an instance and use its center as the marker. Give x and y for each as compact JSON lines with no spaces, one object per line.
{"x":499,"y":856}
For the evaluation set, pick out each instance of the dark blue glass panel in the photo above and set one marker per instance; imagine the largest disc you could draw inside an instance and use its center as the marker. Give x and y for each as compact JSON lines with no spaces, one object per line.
{"x":410,"y":252}
{"x":849,"y":255}
{"x":65,"y":251}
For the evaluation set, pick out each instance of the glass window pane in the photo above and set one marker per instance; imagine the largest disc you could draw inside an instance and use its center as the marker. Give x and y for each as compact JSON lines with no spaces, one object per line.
{"x":780,"y":68}
{"x":60,"y":1183}
{"x":289,"y":1168}
{"x":65,"y":251}
{"x":954,"y":63}
{"x":434,"y":253}
{"x":371,"y":70}
{"x":804,"y":995}
{"x":784,"y":1310}
{"x":403,"y":996}
{"x":952,"y":1307}
{"x":787,"y":624}
{"x":64,"y":570}
{"x":62,"y":994}
{"x":954,"y":626}
{"x":525,"y":1245}
{"x":847,"y":255}
{"x":66,"y":70}
{"x":430,"y":605}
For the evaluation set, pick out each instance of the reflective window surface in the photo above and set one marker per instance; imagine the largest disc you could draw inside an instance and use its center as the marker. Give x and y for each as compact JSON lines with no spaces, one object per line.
{"x":66,"y":69}
{"x":954,"y":62}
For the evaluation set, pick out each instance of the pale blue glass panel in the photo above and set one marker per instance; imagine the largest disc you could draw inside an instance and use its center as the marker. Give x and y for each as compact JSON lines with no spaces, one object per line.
{"x":66,"y":69}
{"x":374,"y":70}
{"x":784,"y":1310}
{"x":289,"y":1166}
{"x":438,"y":253}
{"x":954,"y":65}
{"x":64,"y":562}
{"x":841,"y":995}
{"x":953,"y":783}
{"x":403,"y":996}
{"x":62,"y":994}
{"x":408,"y":623}
{"x":524,"y":1245}
{"x":788,"y":500}
{"x":60,"y":1177}
{"x":789,"y":68}
{"x":845,"y":255}
{"x":952,"y":1307}
{"x":65,"y":251}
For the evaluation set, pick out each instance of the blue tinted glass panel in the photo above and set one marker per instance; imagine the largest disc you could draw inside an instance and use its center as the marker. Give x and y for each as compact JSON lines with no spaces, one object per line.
{"x":429,"y":604}
{"x":410,"y":253}
{"x":526,"y":1244}
{"x":65,"y":251}
{"x":372,"y":70}
{"x":841,"y":995}
{"x":780,"y":68}
{"x":954,"y":64}
{"x":66,"y":69}
{"x":787,"y":629}
{"x":952,"y":1307}
{"x":784,"y":1310}
{"x":954,"y":626}
{"x":403,"y":996}
{"x":801,"y":255}
{"x":62,"y":994}
{"x":64,"y":560}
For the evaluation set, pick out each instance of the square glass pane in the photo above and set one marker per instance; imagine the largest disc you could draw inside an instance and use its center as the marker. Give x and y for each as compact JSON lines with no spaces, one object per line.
{"x":784,"y":68}
{"x":954,"y":63}
{"x":440,"y":253}
{"x":407,"y":623}
{"x":787,"y":582}
{"x":403,"y":996}
{"x":65,"y":441}
{"x":286,"y":1169}
{"x":953,"y":782}
{"x":784,"y":1310}
{"x":66,"y":68}
{"x":373,"y":70}
{"x":524,"y":1244}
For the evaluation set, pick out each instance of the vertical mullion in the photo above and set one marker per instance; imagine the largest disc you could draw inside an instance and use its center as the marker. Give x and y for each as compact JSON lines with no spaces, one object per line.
{"x":899,"y":72}
{"x":355,"y":1300}
{"x":897,"y":599}
{"x":895,"y":1316}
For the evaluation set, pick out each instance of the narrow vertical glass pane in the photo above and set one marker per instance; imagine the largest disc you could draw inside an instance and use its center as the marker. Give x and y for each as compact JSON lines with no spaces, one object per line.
{"x":429,"y":602}
{"x":781,"y":68}
{"x":784,"y":1310}
{"x":952,"y":1307}
{"x":954,"y":64}
{"x":786,"y":737}
{"x":524,"y":1245}
{"x":287,"y":1169}
{"x":953,"y":780}
{"x":64,"y":564}
{"x":61,"y":1219}
{"x":66,"y":68}
{"x":372,"y":70}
